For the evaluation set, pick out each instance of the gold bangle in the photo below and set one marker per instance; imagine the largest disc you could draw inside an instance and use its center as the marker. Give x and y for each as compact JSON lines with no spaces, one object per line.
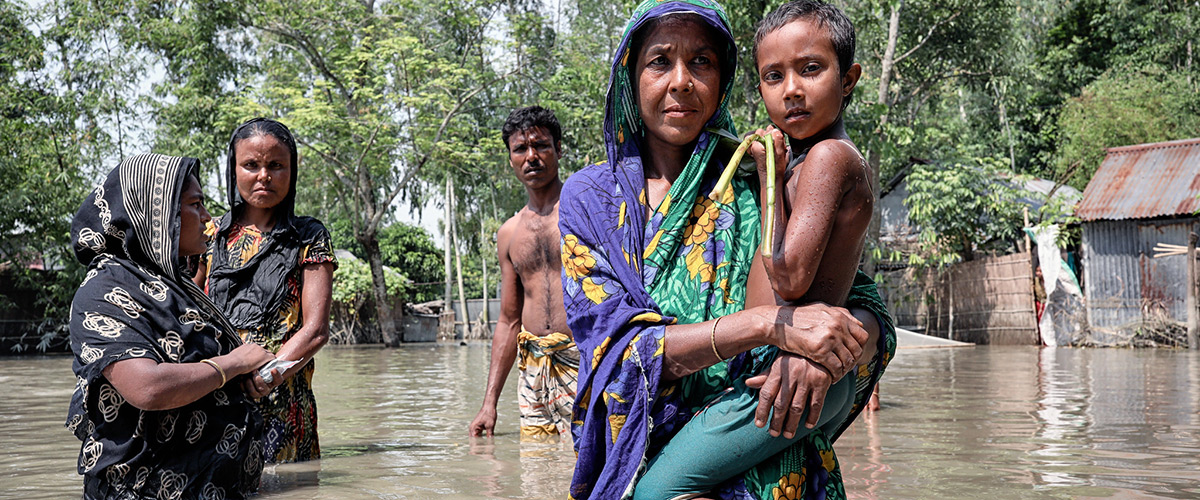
{"x":217,"y":367}
{"x":712,"y":337}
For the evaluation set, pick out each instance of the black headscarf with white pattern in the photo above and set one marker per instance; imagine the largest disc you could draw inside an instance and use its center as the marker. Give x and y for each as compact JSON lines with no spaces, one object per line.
{"x":137,"y":301}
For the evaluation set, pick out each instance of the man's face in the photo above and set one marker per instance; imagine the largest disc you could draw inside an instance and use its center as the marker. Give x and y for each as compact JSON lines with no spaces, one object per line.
{"x":533,"y":156}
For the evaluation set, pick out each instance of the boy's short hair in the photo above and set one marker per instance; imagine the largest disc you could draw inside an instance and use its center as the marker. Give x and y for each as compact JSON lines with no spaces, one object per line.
{"x":530,"y":117}
{"x":841,"y":31}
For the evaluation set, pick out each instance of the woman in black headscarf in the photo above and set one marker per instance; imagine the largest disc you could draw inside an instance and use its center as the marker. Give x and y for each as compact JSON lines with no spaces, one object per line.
{"x":152,"y":354}
{"x":271,"y":273}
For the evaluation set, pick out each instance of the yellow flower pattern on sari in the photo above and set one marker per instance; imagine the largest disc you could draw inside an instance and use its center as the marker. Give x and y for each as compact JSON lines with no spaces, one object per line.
{"x":595,"y":292}
{"x":790,"y":486}
{"x":828,"y":460}
{"x":698,"y":265}
{"x":653,"y":245}
{"x":598,"y":353}
{"x":616,"y":423}
{"x":577,"y":259}
{"x":704,"y":215}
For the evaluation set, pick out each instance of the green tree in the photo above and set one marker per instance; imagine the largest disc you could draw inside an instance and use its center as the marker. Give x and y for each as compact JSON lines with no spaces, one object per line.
{"x":377,"y":94}
{"x":406,"y":248}
{"x":193,"y":44}
{"x":1123,"y":107}
{"x":1088,"y":38}
{"x":962,"y":209}
{"x":47,"y":154}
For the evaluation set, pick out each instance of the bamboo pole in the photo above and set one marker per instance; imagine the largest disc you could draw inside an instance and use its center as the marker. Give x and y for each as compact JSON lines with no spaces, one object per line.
{"x":1193,"y":317}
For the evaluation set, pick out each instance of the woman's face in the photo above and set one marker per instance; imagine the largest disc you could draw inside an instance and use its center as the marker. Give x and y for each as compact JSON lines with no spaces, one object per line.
{"x":193,"y":218}
{"x":678,"y":80}
{"x":264,"y":172}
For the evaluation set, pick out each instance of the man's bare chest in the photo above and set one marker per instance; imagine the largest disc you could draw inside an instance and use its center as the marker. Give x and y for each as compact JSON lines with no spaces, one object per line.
{"x":535,"y":248}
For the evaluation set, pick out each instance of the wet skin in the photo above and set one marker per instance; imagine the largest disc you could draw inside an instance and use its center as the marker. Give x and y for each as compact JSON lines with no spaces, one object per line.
{"x":528,"y":243}
{"x":825,"y":207}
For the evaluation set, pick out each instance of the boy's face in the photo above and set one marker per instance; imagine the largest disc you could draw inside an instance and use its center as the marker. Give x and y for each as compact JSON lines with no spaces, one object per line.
{"x":799,"y":78}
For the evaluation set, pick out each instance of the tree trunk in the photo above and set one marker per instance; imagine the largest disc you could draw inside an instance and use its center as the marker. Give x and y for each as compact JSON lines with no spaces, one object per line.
{"x":462,"y":297}
{"x":383,"y":307}
{"x":448,"y":295}
{"x":1012,"y":151}
{"x":484,"y":260}
{"x":889,"y":54}
{"x":1189,"y":62}
{"x":873,"y":156}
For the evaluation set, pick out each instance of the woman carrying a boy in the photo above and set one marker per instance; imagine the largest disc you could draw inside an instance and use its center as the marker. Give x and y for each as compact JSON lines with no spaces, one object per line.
{"x":655,"y":284}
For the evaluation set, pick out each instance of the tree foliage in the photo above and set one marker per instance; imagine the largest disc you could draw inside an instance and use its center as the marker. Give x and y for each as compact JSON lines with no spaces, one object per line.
{"x":392,"y":98}
{"x":962,"y":209}
{"x":1123,"y":107}
{"x":377,"y":94}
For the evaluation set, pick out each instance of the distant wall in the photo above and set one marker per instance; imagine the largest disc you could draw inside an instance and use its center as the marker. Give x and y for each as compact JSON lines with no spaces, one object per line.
{"x":986,"y":301}
{"x":475,"y":328}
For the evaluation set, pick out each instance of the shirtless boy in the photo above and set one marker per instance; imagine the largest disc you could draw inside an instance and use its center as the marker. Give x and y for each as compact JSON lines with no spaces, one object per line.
{"x":804,"y":55}
{"x":532,"y":320}
{"x":806,"y":80}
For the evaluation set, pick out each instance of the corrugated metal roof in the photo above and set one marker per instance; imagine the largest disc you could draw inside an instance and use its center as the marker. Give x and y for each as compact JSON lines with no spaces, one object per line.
{"x":1142,"y":181}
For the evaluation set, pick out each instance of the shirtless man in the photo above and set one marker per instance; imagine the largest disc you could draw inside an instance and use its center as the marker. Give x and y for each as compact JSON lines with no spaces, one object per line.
{"x":532,"y":320}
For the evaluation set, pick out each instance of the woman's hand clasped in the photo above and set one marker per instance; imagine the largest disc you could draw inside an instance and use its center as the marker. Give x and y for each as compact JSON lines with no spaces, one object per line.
{"x":256,"y":387}
{"x":828,"y":335}
{"x":247,"y":358}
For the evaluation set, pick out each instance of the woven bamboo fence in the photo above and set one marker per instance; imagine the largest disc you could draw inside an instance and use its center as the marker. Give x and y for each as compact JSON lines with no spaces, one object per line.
{"x":989,"y":300}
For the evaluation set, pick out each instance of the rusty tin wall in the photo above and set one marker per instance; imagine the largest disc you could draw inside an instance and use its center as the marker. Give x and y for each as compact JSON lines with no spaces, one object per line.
{"x":1123,"y":282}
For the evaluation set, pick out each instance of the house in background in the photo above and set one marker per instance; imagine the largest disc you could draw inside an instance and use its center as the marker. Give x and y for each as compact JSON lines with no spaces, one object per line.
{"x":1140,"y":196}
{"x":989,"y":300}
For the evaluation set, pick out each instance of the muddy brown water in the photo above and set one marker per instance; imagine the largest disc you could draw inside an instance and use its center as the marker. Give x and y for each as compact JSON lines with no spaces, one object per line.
{"x":984,"y":422}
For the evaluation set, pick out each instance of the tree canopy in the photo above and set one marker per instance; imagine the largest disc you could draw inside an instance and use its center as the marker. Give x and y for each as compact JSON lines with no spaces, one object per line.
{"x":390,"y":99}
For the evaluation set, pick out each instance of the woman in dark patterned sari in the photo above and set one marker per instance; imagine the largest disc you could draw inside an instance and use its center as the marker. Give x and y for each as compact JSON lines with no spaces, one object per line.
{"x":155,"y":402}
{"x":271,"y":272}
{"x":655,"y":280}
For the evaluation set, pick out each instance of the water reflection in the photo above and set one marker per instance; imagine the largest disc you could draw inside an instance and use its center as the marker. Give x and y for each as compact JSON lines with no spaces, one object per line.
{"x":1014,"y":422}
{"x":985,"y":422}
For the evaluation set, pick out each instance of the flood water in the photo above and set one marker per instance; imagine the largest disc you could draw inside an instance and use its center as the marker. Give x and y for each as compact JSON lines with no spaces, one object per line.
{"x":984,"y":422}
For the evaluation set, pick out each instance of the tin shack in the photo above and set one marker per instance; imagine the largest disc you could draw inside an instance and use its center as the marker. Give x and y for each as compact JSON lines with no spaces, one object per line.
{"x":1141,"y":197}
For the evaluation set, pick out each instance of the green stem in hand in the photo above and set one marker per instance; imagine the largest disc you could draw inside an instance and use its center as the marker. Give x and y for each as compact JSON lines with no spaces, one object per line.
{"x":768,"y":240}
{"x":731,"y":168}
{"x":727,"y":177}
